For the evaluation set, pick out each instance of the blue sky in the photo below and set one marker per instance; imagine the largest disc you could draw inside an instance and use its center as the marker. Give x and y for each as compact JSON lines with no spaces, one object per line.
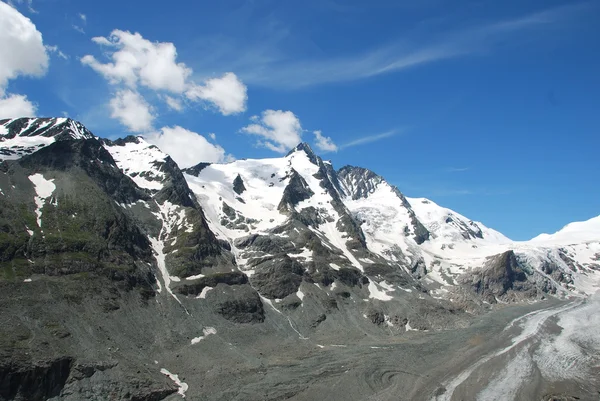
{"x":489,"y":108}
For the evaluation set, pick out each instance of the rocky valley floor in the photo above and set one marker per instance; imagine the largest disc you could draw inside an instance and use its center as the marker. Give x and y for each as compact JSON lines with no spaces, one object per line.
{"x":520,"y":353}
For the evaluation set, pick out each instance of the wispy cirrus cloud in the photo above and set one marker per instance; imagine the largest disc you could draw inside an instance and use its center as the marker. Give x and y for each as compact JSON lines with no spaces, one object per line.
{"x":457,"y":169}
{"x":369,"y":138}
{"x":268,"y":62}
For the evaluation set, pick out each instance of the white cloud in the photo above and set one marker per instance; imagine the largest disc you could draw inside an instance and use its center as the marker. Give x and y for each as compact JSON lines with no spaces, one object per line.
{"x":54,"y":49}
{"x":369,"y":139}
{"x":83,"y":17}
{"x":78,"y":28}
{"x":20,"y":39}
{"x":227,"y":93}
{"x":137,"y":60}
{"x":213,"y":136}
{"x":324,"y":143}
{"x":174,"y":104}
{"x":15,"y":106}
{"x":29,"y":4}
{"x":132,"y":110}
{"x":280,"y":130}
{"x":186,"y":147}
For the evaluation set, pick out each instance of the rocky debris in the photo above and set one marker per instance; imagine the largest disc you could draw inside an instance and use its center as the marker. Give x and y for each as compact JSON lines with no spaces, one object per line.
{"x":560,"y":397}
{"x":238,"y":185}
{"x":376,"y":316}
{"x":418,"y":268}
{"x":318,"y":320}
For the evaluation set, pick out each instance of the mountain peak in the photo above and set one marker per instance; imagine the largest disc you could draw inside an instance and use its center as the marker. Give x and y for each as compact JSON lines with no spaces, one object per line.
{"x":22,"y":136}
{"x":305,"y":147}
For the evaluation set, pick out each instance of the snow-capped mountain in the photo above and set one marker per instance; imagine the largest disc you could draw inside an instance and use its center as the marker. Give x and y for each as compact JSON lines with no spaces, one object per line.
{"x":572,"y":233}
{"x":23,"y":136}
{"x":117,"y":240}
{"x":298,"y":211}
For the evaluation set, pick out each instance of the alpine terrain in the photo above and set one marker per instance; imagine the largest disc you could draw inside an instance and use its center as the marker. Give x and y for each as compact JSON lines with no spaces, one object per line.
{"x":124,"y":277}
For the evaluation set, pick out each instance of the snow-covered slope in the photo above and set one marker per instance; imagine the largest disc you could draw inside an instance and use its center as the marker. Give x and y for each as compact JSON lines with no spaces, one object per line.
{"x":573,"y":233}
{"x":139,"y":160}
{"x":273,"y":191}
{"x":23,"y":136}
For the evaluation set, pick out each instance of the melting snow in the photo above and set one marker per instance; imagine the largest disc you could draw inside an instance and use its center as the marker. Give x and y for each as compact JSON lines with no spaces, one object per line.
{"x":44,"y":188}
{"x":207,"y":331}
{"x":334,"y":266}
{"x":205,"y":291}
{"x":183,"y":387}
{"x":376,"y":293}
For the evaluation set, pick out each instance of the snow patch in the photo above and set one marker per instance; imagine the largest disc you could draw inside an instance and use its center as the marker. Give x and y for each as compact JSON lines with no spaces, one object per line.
{"x":183,"y":387}
{"x":207,"y":331}
{"x":377,"y":293}
{"x":205,"y":291}
{"x":44,"y":188}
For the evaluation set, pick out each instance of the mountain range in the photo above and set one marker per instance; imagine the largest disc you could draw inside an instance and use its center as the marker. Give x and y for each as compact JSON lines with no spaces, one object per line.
{"x":116,"y":266}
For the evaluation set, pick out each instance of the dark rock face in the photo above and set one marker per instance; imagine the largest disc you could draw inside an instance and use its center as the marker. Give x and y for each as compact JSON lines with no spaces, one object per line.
{"x":95,"y":161}
{"x":238,"y":304}
{"x":305,"y":147}
{"x":278,"y":278}
{"x":499,"y":275}
{"x":40,"y":381}
{"x":360,"y":181}
{"x":295,"y":192}
{"x":195,"y":170}
{"x":195,"y":287}
{"x":238,"y":185}
{"x":175,"y":188}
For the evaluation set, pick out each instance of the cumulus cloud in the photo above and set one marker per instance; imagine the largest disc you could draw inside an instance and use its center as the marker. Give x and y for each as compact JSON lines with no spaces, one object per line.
{"x":132,"y":110}
{"x":20,"y":39}
{"x":186,"y":147}
{"x":324,"y":143}
{"x":138,"y":62}
{"x":280,"y":130}
{"x":227,"y":93}
{"x":15,"y":106}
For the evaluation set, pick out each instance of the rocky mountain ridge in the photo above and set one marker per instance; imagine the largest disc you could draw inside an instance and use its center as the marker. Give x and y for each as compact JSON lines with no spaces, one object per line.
{"x":287,"y":247}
